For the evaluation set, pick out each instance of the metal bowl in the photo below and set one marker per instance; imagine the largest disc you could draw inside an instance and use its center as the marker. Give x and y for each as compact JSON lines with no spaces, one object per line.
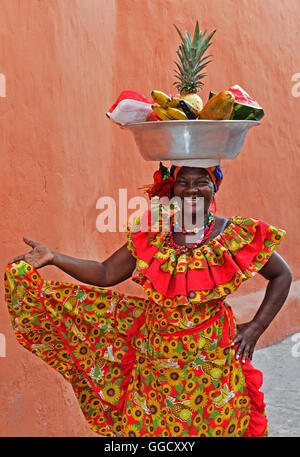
{"x":192,"y":139}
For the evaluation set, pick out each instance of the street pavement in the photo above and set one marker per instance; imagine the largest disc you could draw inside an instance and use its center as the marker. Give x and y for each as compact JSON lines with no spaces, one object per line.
{"x":280,"y":365}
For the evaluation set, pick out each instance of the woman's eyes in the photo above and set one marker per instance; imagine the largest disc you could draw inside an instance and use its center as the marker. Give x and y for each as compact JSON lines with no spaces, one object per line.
{"x":199,"y":183}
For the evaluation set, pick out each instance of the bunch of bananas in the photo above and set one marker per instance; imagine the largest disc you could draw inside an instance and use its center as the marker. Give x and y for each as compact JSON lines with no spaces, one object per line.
{"x":223,"y":397}
{"x":172,"y":108}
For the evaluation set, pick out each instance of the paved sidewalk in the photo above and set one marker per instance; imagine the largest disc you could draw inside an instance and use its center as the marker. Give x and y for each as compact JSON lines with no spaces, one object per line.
{"x":280,"y":365}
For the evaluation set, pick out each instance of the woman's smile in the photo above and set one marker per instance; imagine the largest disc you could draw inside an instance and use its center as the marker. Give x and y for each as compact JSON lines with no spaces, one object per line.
{"x":191,"y":201}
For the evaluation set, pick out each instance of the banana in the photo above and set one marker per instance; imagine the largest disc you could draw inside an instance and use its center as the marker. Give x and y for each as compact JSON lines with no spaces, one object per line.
{"x":224,"y":396}
{"x":226,"y":389}
{"x":161,"y":98}
{"x":220,"y":363}
{"x":218,"y":398}
{"x":176,"y":114}
{"x":165,"y":101}
{"x":161,"y":113}
{"x":191,"y":107}
{"x":174,"y":103}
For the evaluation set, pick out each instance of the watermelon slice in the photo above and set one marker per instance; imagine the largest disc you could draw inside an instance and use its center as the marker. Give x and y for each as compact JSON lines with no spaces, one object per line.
{"x":245,"y":107}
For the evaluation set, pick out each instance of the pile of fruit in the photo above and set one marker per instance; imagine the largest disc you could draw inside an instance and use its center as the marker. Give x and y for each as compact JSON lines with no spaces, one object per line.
{"x":231,"y":104}
{"x":218,"y":107}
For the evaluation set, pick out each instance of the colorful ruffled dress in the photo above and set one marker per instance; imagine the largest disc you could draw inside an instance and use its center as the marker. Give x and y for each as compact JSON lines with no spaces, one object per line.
{"x":160,"y":366}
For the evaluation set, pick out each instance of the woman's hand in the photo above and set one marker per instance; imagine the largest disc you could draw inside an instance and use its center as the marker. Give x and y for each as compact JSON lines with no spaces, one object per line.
{"x":247,"y":336}
{"x":280,"y":276}
{"x":38,"y":257}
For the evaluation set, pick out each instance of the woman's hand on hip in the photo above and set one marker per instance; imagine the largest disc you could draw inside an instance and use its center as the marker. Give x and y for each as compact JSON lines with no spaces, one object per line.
{"x":246,"y":338}
{"x":38,"y":257}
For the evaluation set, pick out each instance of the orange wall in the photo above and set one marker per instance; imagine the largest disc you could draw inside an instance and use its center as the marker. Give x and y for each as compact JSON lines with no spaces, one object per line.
{"x":65,"y":62}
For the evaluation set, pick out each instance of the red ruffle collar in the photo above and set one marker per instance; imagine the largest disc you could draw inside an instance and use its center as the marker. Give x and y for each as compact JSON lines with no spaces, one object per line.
{"x":209,"y":272}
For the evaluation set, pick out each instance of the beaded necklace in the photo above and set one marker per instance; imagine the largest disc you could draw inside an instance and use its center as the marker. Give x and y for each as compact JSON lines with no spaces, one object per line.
{"x":207,"y":229}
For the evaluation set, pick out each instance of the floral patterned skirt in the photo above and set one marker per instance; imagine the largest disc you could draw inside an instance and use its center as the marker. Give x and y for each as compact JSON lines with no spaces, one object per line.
{"x":136,"y":368}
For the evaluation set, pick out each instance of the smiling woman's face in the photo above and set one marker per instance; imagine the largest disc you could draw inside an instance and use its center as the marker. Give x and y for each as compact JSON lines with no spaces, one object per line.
{"x":192,"y":183}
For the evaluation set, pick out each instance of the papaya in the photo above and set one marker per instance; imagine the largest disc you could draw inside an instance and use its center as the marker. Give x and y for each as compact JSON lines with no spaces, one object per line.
{"x":218,"y":107}
{"x":245,"y":107}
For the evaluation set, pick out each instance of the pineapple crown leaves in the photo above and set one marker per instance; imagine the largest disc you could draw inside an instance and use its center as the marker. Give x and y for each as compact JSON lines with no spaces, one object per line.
{"x":169,"y":401}
{"x":80,"y":294}
{"x":191,"y":60}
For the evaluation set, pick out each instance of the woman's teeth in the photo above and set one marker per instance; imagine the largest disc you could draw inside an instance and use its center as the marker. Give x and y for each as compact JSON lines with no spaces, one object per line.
{"x":190,"y":201}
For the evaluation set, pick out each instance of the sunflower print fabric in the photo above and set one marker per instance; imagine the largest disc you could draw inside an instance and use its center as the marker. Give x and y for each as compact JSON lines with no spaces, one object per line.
{"x":156,"y":366}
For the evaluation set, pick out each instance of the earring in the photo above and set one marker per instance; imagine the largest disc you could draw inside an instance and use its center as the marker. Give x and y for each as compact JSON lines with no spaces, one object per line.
{"x":213,"y":202}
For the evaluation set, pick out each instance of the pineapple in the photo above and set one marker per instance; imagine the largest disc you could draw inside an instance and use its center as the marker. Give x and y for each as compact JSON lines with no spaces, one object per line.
{"x":17,"y":292}
{"x":178,"y":409}
{"x":71,"y":302}
{"x":191,"y":65}
{"x":204,"y":343}
{"x":212,"y":369}
{"x":99,"y":361}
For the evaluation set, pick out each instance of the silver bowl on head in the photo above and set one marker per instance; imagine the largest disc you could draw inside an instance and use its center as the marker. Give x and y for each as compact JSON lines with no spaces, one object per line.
{"x":191,"y":139}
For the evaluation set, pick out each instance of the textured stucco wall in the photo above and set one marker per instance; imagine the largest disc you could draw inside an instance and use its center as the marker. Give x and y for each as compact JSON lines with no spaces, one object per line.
{"x":65,"y":62}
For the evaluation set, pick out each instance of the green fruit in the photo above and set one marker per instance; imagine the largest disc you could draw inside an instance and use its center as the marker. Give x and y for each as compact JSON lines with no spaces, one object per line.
{"x":216,"y":373}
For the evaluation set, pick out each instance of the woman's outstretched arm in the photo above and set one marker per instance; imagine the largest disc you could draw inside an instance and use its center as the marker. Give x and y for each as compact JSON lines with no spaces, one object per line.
{"x":279,"y":274}
{"x":117,"y":268}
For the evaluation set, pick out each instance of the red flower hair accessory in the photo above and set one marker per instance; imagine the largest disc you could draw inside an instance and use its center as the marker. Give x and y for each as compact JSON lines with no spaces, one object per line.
{"x":163,"y":183}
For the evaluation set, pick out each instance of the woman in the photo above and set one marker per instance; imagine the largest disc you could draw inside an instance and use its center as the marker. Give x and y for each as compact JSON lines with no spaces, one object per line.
{"x":174,"y":364}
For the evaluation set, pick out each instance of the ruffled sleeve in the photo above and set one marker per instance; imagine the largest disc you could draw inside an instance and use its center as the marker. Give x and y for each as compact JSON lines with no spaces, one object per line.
{"x":209,"y":272}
